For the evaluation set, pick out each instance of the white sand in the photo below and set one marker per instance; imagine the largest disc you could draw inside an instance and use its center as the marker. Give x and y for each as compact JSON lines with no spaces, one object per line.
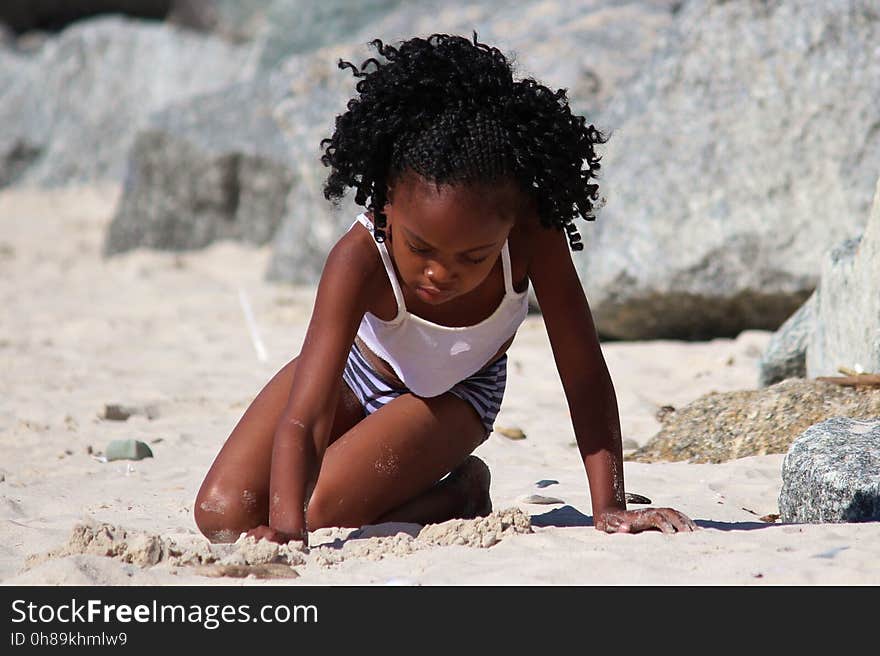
{"x":167,"y":330}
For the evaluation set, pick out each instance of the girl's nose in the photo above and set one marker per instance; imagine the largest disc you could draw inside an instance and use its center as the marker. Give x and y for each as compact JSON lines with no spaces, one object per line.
{"x":438,"y":274}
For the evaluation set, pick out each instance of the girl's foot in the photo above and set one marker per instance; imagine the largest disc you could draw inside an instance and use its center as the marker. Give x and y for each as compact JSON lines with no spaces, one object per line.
{"x":470,"y":481}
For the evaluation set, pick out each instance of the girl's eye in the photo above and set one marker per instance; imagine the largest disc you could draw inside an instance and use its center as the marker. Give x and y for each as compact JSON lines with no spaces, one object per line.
{"x":482,"y":259}
{"x":416,"y":249}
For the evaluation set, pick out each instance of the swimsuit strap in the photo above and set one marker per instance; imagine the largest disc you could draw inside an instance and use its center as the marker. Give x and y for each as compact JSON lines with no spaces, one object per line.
{"x":508,"y":273}
{"x":389,"y":266}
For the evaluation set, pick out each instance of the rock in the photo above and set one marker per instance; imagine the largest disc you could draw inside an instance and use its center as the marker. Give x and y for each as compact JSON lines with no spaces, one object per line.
{"x":71,"y":110}
{"x":121,"y":412}
{"x":786,"y":354}
{"x":723,"y":426}
{"x":215,"y":168}
{"x":831,"y":473}
{"x":127,"y":450}
{"x":711,"y":170}
{"x":847,"y":325}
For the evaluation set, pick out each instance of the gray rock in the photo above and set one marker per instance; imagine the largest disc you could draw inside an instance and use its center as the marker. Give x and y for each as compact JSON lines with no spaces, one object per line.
{"x":71,"y":111}
{"x":847,"y":330}
{"x":831,"y":473}
{"x":215,"y":168}
{"x":750,"y":143}
{"x":786,"y":353}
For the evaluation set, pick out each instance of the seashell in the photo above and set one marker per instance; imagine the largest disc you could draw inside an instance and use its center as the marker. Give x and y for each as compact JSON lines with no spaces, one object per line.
{"x":512,"y":433}
{"x":539,"y":499}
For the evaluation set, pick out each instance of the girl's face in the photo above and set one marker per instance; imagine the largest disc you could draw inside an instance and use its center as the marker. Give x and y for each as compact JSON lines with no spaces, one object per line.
{"x":446,"y":240}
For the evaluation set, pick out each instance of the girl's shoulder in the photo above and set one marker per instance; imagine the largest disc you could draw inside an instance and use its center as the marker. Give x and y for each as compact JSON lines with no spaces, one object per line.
{"x":527,"y":240}
{"x":356,"y":259}
{"x":358,"y":249}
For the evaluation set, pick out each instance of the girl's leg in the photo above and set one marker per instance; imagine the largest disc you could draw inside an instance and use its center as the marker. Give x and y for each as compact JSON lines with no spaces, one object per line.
{"x":234,"y":497}
{"x":385,"y":467}
{"x":388,"y":466}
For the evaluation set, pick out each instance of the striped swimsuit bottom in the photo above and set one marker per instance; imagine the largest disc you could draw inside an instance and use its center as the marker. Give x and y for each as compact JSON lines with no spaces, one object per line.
{"x":483,"y":390}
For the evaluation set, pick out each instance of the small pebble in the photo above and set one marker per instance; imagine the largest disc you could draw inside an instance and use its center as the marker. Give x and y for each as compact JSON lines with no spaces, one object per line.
{"x":636,"y":498}
{"x":119,"y":412}
{"x":127,"y":450}
{"x":547,"y":482}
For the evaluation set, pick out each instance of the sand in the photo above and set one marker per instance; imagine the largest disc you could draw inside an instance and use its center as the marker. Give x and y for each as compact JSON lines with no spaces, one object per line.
{"x":164,"y":335}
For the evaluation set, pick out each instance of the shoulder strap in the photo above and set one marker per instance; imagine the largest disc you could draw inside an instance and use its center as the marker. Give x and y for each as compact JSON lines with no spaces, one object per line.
{"x":508,"y":273}
{"x":389,"y":266}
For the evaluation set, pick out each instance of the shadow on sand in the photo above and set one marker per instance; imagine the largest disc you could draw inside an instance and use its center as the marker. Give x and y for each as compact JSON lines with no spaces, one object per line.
{"x":567,"y":516}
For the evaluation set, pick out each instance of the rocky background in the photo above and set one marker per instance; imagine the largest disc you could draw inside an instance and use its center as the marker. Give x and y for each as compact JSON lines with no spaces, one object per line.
{"x":739,"y":178}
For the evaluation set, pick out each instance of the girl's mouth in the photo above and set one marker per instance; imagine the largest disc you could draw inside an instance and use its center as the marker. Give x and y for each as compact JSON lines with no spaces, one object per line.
{"x":432,"y":294}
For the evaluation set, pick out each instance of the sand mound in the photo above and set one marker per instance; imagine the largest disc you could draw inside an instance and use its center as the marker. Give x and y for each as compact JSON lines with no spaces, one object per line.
{"x":146,"y":550}
{"x":264,"y":559}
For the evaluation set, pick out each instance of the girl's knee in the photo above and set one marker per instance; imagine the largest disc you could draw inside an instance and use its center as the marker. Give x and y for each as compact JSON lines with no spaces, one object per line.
{"x":222,"y":514}
{"x":325,"y":511}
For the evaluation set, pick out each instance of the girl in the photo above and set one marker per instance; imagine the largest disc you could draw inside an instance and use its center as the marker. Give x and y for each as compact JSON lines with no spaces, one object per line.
{"x":471,"y":181}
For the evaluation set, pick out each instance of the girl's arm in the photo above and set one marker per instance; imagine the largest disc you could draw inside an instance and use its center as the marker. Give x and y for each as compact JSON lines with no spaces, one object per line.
{"x":303,"y":431}
{"x":588,"y":387}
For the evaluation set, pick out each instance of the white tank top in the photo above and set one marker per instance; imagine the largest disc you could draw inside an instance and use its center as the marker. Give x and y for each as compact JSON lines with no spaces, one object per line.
{"x":429,"y":358}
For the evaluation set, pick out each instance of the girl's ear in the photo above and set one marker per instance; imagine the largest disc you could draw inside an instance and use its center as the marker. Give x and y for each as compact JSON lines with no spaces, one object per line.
{"x":389,"y":201}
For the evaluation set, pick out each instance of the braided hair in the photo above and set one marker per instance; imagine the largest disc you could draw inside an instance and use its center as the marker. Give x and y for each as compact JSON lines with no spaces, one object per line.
{"x":450,"y":110}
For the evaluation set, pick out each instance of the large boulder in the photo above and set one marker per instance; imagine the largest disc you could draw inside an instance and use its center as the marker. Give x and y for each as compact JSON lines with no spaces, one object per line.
{"x":747,"y":147}
{"x":831,"y":473}
{"x":215,"y":168}
{"x":847,"y":318}
{"x":71,"y":111}
{"x":723,"y":426}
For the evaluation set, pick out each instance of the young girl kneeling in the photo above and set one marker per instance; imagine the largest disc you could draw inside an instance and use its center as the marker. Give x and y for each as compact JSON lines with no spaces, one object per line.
{"x":471,"y":180}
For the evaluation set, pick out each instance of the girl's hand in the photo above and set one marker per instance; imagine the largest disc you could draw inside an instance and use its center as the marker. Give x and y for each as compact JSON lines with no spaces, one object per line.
{"x":633,"y":521}
{"x":273,"y":535}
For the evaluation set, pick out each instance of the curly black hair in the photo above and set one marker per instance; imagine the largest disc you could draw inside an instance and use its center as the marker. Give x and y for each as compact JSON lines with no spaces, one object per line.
{"x":450,"y":110}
